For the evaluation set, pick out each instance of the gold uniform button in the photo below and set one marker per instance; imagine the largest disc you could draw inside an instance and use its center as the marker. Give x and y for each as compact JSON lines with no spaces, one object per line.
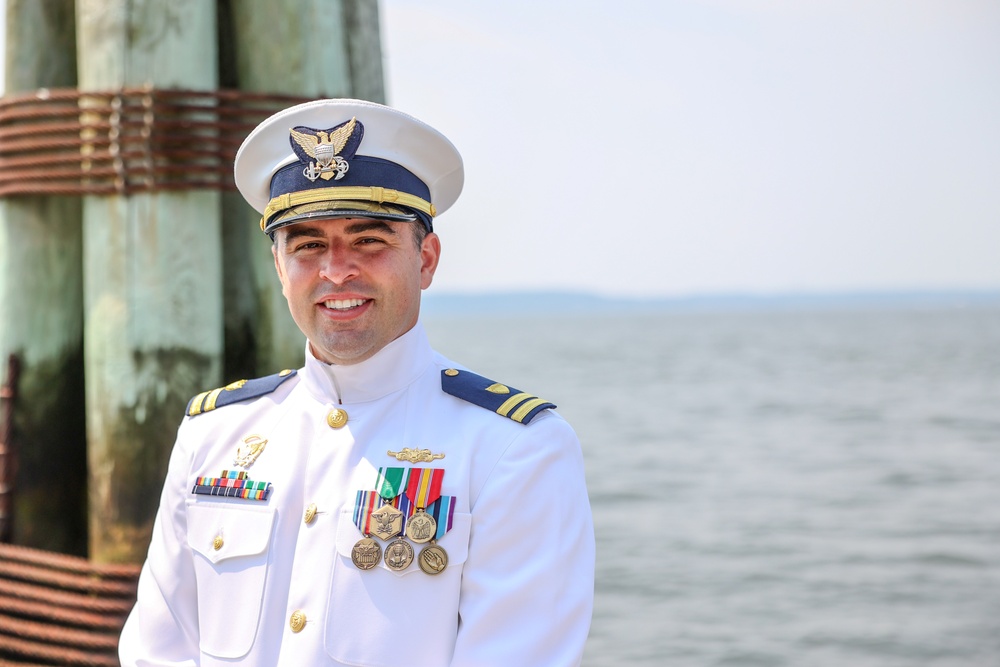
{"x":336,"y":418}
{"x":297,"y":621}
{"x":451,"y":372}
{"x":310,"y":513}
{"x":217,"y":542}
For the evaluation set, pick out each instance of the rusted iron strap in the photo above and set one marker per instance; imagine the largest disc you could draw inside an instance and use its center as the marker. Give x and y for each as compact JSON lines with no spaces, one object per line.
{"x":71,"y":142}
{"x":53,"y":654}
{"x":14,"y":553}
{"x":44,"y":597}
{"x":66,"y":617}
{"x":69,"y":582}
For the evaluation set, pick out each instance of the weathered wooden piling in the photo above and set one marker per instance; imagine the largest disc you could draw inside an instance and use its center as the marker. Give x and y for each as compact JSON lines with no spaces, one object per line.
{"x":313,"y":48}
{"x":41,"y":308}
{"x":152,"y":276}
{"x":112,"y":301}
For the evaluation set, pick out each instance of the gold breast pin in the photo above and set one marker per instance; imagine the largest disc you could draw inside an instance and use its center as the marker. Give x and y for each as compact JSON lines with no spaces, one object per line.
{"x":415,"y":455}
{"x":251,"y":447}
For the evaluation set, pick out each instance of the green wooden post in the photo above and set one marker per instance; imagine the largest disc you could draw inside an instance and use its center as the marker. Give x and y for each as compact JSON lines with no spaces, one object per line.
{"x":152,"y":277}
{"x":41,"y":313}
{"x":312,"y":48}
{"x":364,"y":49}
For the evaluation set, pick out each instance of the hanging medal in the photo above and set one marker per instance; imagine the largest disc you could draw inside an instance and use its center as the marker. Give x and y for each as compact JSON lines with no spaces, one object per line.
{"x":433,"y":558}
{"x":422,"y":489}
{"x":398,"y":554}
{"x":389,"y":520}
{"x":366,"y":553}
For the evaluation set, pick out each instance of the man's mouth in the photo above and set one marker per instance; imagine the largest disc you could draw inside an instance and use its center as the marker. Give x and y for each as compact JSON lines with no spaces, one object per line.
{"x":344,"y":304}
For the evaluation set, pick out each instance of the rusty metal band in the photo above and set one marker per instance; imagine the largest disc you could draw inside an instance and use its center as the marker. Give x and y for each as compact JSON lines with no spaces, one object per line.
{"x":72,"y":142}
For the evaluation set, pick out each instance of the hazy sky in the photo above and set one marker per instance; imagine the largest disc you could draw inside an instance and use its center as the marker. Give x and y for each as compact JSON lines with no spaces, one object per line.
{"x":678,"y":147}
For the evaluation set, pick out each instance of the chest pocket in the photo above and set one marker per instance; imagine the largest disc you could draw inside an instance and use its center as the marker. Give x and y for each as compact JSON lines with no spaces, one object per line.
{"x":370,"y":611}
{"x":230,"y":563}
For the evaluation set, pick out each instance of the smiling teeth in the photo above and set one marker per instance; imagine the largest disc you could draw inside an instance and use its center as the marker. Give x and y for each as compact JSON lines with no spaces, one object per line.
{"x":343,"y":304}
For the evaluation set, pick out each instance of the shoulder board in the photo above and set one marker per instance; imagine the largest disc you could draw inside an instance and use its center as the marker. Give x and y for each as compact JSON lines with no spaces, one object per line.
{"x":501,"y":399}
{"x":241,"y":390}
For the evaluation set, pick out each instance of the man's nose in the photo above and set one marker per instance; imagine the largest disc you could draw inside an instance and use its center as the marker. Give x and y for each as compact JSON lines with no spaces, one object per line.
{"x":339,"y":266}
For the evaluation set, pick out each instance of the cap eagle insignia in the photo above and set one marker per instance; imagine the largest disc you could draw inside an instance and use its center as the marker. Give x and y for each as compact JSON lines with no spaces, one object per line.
{"x":326,"y":152}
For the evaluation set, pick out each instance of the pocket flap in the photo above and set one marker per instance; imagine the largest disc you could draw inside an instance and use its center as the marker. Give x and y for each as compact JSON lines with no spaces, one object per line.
{"x":219,"y":531}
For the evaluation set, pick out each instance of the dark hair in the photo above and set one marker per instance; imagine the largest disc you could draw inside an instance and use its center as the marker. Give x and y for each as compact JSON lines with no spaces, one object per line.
{"x":419,"y":233}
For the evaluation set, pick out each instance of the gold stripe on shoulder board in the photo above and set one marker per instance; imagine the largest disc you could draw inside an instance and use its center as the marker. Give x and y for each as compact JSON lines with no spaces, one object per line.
{"x":196,"y":404}
{"x":512,"y":402}
{"x":525,"y":408}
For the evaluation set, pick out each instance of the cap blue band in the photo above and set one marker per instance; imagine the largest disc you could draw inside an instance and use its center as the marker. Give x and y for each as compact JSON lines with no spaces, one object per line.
{"x":364,"y":172}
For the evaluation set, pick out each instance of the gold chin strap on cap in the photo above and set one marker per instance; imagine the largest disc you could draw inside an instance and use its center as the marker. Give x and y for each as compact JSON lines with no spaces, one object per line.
{"x":374,"y":194}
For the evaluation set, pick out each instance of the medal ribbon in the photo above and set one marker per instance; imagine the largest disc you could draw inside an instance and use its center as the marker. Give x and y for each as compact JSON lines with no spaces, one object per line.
{"x":403,"y":504}
{"x":424,"y":486}
{"x":443,"y":512}
{"x":364,"y":504}
{"x":390,"y":482}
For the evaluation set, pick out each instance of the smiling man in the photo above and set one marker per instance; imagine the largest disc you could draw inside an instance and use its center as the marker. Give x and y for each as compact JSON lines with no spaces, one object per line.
{"x":353,"y":284}
{"x":382,"y":505}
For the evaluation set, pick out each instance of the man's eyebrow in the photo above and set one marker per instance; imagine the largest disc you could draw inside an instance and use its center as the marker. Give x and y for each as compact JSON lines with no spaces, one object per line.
{"x":303,"y":230}
{"x":370,"y":226}
{"x":295,"y":231}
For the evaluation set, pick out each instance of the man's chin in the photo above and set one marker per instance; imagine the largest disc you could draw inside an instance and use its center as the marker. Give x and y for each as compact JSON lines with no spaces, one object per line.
{"x":344,"y":350}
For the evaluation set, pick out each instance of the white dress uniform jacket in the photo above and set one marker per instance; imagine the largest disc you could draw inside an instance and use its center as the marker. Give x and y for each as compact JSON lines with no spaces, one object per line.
{"x":224,"y":576}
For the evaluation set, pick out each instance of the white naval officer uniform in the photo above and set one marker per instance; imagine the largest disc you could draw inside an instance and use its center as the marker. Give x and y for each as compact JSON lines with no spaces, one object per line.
{"x":224,"y":576}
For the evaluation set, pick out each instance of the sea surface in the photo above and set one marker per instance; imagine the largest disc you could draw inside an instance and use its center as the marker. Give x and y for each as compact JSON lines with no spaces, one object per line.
{"x":776,"y":488}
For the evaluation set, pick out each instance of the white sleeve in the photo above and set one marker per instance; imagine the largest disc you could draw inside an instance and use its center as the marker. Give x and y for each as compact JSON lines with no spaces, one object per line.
{"x":163,"y":626}
{"x":528,"y":583}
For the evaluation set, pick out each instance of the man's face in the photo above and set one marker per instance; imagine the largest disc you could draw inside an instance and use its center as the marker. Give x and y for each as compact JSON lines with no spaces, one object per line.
{"x":353,"y":284}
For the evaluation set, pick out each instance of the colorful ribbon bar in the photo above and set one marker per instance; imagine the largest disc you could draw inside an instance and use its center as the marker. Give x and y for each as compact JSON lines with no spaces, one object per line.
{"x":232,"y":484}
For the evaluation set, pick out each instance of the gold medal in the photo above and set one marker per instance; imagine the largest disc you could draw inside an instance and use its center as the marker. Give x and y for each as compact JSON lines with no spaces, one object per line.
{"x":423,"y":488}
{"x":421,"y":527}
{"x":398,"y":555}
{"x":366,"y":553}
{"x":387,"y":522}
{"x":433,"y":559}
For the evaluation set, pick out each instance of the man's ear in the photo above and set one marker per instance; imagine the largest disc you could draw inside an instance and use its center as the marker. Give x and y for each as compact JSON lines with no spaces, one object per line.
{"x":430,"y":253}
{"x":277,"y":266}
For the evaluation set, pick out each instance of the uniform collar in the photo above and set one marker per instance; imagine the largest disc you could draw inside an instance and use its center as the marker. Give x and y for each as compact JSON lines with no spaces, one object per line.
{"x":392,"y":368}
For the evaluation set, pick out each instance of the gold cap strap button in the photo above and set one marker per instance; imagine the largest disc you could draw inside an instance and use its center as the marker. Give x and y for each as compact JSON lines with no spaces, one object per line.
{"x":297,"y":621}
{"x":336,"y":418}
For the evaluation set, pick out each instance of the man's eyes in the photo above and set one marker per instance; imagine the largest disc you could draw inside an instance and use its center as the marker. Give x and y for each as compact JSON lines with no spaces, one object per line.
{"x":362,"y":241}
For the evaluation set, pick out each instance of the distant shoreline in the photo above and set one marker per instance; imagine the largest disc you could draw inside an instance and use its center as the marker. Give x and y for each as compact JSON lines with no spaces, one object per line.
{"x":446,"y":303}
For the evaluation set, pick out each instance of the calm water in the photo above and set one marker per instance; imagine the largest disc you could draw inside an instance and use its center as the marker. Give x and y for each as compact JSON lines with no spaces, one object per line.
{"x":776,"y":488}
